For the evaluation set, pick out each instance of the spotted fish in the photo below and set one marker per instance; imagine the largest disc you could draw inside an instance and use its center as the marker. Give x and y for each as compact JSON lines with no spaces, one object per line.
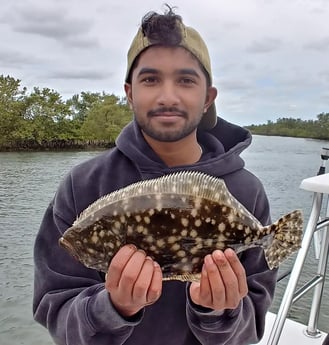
{"x":177,"y":219}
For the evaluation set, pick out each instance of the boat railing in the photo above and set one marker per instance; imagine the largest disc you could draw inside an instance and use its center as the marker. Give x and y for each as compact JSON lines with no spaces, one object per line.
{"x":319,"y":185}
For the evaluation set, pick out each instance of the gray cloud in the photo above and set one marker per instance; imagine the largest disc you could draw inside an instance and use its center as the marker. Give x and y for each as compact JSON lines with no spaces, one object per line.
{"x":320,"y":45}
{"x":51,"y":23}
{"x":17,"y":59}
{"x":265,"y":45}
{"x":88,"y":74}
{"x":237,"y":85}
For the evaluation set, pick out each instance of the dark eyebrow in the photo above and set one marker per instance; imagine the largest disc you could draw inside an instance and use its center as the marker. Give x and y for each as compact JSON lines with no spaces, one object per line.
{"x":183,"y":71}
{"x":189,"y":71}
{"x":147,"y":70}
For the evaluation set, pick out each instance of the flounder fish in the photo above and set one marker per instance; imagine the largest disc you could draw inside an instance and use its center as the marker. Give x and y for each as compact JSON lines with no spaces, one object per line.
{"x":177,"y":219}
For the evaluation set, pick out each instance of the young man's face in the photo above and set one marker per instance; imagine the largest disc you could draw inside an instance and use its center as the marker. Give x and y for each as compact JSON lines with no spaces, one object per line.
{"x":168,"y":93}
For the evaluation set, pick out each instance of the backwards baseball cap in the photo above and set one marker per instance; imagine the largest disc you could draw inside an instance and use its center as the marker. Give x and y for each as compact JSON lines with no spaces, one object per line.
{"x":192,"y":41}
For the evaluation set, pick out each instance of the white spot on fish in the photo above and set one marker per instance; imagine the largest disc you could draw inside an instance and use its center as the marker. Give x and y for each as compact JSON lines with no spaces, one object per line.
{"x":221,"y":227}
{"x":147,"y":220}
{"x":149,"y":239}
{"x":175,"y":247}
{"x":140,"y":229}
{"x":160,"y":243}
{"x":198,"y":223}
{"x":172,"y":239}
{"x":94,"y":238}
{"x":184,"y":233}
{"x":184,"y":222}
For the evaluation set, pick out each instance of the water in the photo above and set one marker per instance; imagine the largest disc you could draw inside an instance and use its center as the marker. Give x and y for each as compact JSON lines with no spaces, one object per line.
{"x":28,"y":181}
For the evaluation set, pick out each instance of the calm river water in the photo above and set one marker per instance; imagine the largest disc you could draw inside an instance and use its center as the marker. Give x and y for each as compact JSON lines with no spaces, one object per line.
{"x":28,"y":181}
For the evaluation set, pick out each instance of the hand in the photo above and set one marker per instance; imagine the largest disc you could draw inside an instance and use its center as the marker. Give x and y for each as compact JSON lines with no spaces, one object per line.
{"x":133,"y":280}
{"x":223,"y":282}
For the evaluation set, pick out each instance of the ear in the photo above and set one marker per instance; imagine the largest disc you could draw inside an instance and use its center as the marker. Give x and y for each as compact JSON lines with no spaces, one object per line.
{"x":211,"y":96}
{"x":128,"y":90}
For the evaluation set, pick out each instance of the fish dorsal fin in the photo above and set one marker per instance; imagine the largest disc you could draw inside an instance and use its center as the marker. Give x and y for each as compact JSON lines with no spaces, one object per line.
{"x":189,"y":183}
{"x":192,"y":183}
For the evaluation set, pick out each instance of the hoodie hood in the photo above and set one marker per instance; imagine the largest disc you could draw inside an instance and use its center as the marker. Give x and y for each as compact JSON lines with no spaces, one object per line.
{"x":222,"y":146}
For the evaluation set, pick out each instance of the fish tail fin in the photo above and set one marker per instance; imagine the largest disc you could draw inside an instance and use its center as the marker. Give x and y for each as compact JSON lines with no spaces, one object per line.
{"x":287,"y":238}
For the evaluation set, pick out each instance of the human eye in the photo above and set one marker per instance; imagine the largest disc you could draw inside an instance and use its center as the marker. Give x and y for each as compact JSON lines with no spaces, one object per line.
{"x":149,"y":80}
{"x":187,"y":81}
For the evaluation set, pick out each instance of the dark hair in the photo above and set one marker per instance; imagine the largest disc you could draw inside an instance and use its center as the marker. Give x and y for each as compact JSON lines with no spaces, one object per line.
{"x":162,"y":28}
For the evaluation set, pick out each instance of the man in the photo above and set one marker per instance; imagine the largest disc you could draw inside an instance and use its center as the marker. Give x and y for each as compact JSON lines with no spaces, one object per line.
{"x":175,"y":127}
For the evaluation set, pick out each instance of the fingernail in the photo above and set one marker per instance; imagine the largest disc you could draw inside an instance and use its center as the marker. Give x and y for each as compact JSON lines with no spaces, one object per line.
{"x":132,"y":246}
{"x":217,"y":254}
{"x":142,"y":251}
{"x":229,"y":251}
{"x":208,"y":260}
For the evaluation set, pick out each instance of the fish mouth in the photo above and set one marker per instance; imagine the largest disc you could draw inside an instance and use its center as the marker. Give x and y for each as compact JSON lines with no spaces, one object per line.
{"x":69,"y":247}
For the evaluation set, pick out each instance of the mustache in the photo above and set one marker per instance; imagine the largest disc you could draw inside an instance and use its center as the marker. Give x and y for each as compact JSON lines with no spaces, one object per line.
{"x":161,"y":110}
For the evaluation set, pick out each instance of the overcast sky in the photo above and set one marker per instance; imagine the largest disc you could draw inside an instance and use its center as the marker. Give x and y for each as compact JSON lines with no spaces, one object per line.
{"x":270,"y":58}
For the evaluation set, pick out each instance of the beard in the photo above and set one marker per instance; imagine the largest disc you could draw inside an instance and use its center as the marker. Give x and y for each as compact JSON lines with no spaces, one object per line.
{"x":167,"y":133}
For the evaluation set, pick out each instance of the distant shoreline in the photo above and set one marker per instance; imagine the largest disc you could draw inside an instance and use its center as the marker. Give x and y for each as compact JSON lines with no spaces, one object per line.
{"x":287,"y":135}
{"x":56,"y":145}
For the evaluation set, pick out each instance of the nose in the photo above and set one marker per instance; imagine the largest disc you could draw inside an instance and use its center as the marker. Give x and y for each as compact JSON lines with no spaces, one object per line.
{"x":168,"y":94}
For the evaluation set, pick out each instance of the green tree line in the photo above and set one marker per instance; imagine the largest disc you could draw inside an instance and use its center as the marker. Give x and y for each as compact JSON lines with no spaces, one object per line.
{"x":42,"y":116}
{"x":289,"y":127}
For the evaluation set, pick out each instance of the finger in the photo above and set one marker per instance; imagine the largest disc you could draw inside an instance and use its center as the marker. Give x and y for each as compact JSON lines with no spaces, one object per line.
{"x":230,"y":281}
{"x":239,"y":271}
{"x":205,"y":292}
{"x":216,"y":284}
{"x":155,"y":288}
{"x":117,"y":265}
{"x":131,"y":271}
{"x":200,"y":291}
{"x":143,"y":281}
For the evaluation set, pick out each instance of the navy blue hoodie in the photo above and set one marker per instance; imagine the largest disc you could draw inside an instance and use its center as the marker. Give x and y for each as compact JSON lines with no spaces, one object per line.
{"x":70,"y":299}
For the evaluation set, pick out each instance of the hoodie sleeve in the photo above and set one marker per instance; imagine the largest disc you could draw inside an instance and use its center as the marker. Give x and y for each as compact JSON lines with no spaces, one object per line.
{"x":68,"y":296}
{"x":246,"y":323}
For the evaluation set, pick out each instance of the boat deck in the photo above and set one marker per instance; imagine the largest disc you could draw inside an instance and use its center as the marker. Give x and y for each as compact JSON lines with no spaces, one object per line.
{"x":293,"y":333}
